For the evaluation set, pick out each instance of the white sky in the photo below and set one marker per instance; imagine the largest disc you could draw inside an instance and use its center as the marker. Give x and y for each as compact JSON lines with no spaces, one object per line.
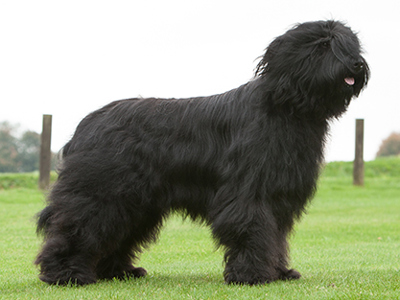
{"x":68,"y":58}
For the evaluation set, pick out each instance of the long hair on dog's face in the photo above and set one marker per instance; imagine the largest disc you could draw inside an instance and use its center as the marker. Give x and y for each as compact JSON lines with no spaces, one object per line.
{"x":316,"y":68}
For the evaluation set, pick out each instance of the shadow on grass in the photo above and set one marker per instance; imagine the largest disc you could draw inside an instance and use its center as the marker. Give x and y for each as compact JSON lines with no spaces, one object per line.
{"x":179,"y":279}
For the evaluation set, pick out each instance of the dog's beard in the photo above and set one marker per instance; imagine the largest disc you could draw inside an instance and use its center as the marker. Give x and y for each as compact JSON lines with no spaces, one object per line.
{"x":336,"y":84}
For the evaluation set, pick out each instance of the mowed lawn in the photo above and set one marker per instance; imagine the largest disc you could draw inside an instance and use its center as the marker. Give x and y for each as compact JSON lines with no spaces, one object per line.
{"x":347,"y":247}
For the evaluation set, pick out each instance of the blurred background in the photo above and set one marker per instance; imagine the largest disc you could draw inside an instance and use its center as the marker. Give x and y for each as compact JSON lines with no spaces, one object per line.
{"x":68,"y":58}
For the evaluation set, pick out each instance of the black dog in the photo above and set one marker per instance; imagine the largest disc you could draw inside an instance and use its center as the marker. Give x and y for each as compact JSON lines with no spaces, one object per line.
{"x":244,"y":162}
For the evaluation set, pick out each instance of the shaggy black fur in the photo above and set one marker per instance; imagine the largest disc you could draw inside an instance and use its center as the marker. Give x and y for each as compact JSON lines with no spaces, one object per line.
{"x":244,"y":162}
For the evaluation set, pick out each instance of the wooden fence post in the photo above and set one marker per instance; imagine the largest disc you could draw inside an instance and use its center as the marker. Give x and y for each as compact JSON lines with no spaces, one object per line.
{"x":358,"y":167}
{"x":45,"y":153}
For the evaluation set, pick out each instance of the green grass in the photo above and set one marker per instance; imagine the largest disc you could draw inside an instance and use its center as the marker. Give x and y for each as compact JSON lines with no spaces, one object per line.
{"x":347,"y":247}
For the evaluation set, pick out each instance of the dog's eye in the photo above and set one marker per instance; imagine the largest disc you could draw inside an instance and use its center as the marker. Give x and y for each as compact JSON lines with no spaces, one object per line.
{"x":325,"y":44}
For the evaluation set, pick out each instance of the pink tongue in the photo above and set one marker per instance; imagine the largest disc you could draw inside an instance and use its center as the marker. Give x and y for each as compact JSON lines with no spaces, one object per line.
{"x":349,"y":80}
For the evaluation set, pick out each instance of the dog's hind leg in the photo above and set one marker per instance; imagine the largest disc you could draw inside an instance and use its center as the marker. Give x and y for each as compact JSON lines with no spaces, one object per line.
{"x":81,"y":231}
{"x":62,"y":263}
{"x":119,"y":264}
{"x":65,"y":256}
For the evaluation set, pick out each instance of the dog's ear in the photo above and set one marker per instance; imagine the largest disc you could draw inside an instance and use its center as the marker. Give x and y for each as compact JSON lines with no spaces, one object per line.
{"x":264,"y":65}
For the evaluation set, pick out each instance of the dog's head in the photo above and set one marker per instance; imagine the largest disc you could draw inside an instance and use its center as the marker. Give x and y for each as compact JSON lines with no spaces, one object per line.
{"x":316,"y":67}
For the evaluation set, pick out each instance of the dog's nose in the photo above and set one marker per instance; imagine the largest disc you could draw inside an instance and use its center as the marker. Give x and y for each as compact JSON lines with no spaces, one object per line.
{"x":358,"y":66}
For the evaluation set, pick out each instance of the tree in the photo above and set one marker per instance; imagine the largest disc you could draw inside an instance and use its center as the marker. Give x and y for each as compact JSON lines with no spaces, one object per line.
{"x":19,"y":154}
{"x":29,"y":151}
{"x":390,"y":146}
{"x":8,"y":149}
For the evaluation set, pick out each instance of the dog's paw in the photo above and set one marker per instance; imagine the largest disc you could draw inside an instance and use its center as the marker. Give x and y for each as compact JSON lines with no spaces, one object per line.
{"x":70,"y":280}
{"x":127,"y":273}
{"x":131,"y":273}
{"x":291,"y":274}
{"x":136,"y":273}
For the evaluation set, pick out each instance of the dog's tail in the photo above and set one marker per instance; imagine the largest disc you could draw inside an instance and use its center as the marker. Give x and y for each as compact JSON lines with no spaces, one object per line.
{"x":43,"y":220}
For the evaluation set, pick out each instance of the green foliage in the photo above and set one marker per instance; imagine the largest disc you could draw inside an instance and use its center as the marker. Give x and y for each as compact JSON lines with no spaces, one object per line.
{"x":385,"y":166}
{"x":346,"y":247}
{"x":22,"y":180}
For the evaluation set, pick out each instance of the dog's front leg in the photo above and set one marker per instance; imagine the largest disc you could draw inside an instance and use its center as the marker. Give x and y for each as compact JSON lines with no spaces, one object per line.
{"x":249,"y":234}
